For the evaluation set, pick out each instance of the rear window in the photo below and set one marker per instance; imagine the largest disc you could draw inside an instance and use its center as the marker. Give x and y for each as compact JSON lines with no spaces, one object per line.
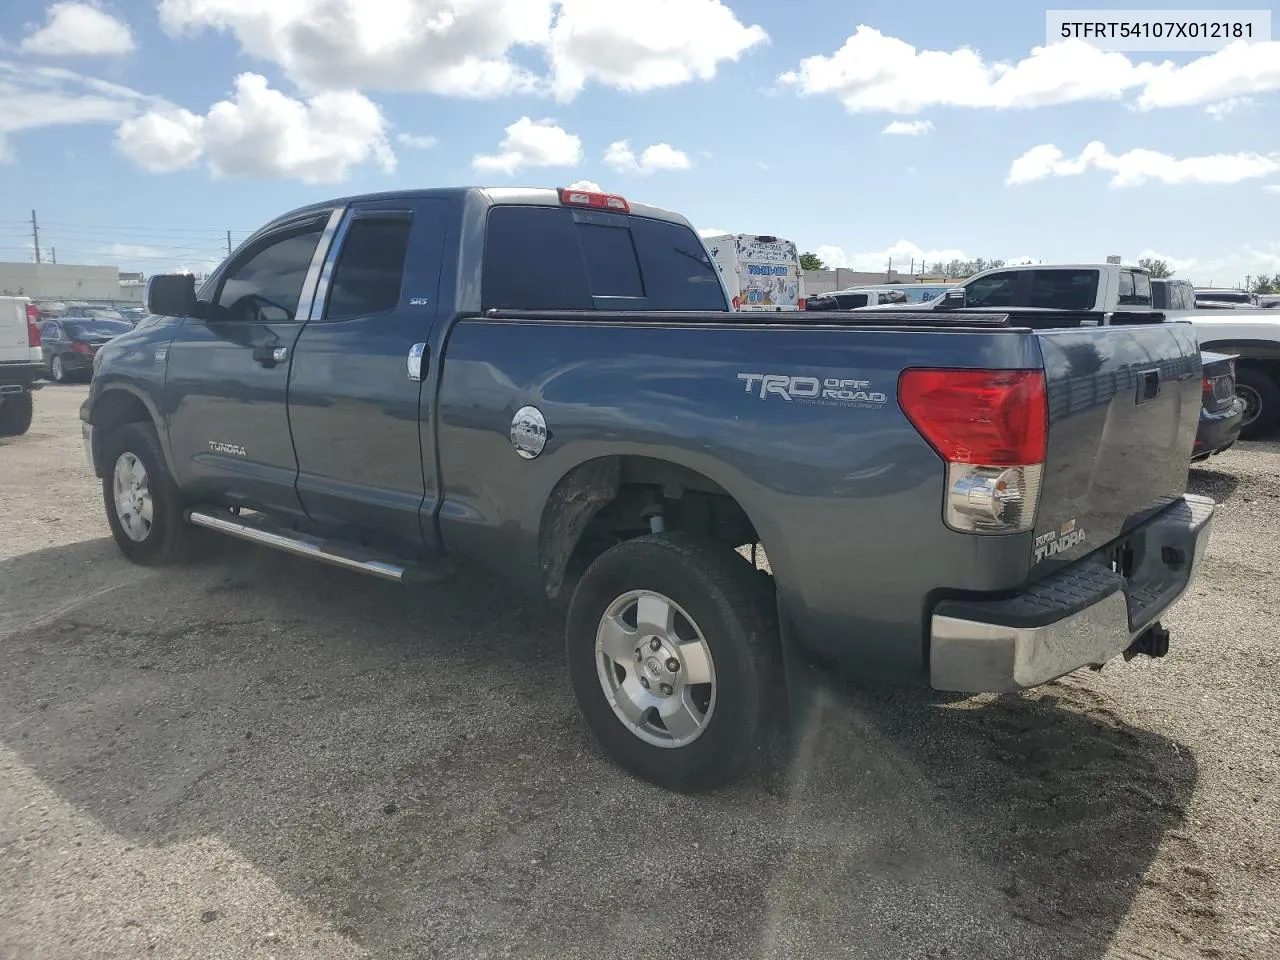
{"x":96,"y":328}
{"x":1064,"y":289}
{"x":1163,"y":295}
{"x":554,"y":258}
{"x":1135,"y":289}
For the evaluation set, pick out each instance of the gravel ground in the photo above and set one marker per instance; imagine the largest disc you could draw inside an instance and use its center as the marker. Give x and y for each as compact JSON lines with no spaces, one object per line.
{"x":253,"y":756}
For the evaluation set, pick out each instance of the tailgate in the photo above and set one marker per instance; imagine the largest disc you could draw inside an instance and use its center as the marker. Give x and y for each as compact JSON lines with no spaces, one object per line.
{"x":1124,"y":405}
{"x":13,"y":330}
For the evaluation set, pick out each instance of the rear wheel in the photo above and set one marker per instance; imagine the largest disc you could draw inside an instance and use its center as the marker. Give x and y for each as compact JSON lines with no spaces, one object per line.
{"x":144,"y":505}
{"x":673,"y":658}
{"x":58,"y":370}
{"x":1261,"y":398}
{"x":15,"y":413}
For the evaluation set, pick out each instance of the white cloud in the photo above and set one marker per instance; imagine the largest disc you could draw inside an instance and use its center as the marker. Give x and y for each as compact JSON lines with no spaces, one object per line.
{"x":908,"y":128}
{"x":416,"y":141}
{"x":1223,"y":269}
{"x":33,"y":97}
{"x":1234,"y":71}
{"x":657,"y":156}
{"x":1139,"y":165}
{"x":530,"y":143}
{"x":589,"y":185}
{"x":448,"y":47}
{"x":901,"y":254}
{"x":1228,"y":106}
{"x":261,"y":132}
{"x":1272,"y":188}
{"x":79,"y":29}
{"x":162,"y":139}
{"x":873,"y":72}
{"x":644,"y":44}
{"x":134,"y":251}
{"x":471,"y":48}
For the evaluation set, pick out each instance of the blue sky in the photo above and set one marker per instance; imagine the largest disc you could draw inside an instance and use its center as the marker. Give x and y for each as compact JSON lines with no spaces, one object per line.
{"x":109,"y":129}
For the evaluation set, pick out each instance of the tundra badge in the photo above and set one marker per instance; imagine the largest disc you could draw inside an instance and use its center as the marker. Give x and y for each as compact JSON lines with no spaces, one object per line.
{"x":1057,"y":541}
{"x":528,"y":432}
{"x":232,"y":449}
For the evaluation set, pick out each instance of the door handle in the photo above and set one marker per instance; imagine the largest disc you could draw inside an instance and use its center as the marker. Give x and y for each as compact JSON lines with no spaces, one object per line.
{"x":269,"y":355}
{"x":417,"y":353}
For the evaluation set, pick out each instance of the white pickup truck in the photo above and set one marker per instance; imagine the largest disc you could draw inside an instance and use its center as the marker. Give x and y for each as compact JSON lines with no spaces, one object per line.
{"x":20,"y":364}
{"x":1114,"y":291}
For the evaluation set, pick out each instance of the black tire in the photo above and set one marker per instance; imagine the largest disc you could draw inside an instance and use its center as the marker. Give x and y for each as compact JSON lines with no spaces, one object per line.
{"x":15,"y":413}
{"x":722,"y":595}
{"x":166,"y":540}
{"x":1266,"y":394}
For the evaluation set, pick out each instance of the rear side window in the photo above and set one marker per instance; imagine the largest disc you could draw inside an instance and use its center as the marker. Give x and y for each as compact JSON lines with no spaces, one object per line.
{"x":1164,"y":295}
{"x":553,"y":258}
{"x":1064,"y":289}
{"x":370,"y":268}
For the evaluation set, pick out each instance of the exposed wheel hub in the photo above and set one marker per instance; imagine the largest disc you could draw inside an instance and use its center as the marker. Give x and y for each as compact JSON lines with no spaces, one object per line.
{"x":131,"y":490}
{"x":655,"y":668}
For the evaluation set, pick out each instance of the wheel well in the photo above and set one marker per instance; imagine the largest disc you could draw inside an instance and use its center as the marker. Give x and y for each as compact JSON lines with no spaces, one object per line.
{"x":603,"y":502}
{"x":114,"y":409}
{"x":1268,"y":366}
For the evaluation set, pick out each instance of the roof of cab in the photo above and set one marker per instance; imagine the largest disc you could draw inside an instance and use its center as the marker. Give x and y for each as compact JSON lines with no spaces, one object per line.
{"x":525,"y":196}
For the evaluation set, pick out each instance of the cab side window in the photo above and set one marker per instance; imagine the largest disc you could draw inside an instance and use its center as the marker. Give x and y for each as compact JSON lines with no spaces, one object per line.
{"x":996,"y":290}
{"x":49,"y":330}
{"x":265,"y":287}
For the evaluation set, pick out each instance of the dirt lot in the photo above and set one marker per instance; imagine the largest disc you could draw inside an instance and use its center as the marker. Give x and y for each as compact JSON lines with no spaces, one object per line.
{"x":257,"y":757}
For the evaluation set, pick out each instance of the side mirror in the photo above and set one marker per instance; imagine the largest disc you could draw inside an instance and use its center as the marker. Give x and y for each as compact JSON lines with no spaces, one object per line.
{"x":171,"y":294}
{"x":953,"y":299}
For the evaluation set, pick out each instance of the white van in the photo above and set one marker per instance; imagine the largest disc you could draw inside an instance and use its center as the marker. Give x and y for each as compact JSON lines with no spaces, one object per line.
{"x":760,"y":273}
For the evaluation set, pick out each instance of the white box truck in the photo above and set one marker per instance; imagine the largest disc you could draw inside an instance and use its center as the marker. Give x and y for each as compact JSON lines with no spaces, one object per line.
{"x":761,"y":273}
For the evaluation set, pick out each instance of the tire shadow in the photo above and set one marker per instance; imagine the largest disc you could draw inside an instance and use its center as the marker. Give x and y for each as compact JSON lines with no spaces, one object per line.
{"x":410,"y":767}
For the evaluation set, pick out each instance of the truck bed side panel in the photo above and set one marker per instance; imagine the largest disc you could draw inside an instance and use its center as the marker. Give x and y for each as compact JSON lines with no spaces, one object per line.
{"x":819,"y":478}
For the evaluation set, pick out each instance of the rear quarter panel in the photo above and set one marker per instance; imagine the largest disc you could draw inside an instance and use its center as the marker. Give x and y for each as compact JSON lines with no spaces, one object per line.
{"x":846,"y":496}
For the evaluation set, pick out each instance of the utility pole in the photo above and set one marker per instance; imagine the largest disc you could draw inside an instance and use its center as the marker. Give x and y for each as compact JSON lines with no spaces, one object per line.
{"x":53,"y":255}
{"x":228,"y":243}
{"x":35,"y":235}
{"x":888,"y":275}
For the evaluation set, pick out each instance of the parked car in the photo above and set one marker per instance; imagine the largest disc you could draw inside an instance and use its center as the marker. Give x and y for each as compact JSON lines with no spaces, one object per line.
{"x":19,"y":364}
{"x":68,"y":345}
{"x":1219,"y":295}
{"x":552,"y":384}
{"x":133,"y":314}
{"x":1221,"y":410}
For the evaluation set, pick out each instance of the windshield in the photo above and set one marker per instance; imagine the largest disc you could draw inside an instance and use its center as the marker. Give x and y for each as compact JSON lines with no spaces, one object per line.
{"x":103,"y":313}
{"x":79,"y":329}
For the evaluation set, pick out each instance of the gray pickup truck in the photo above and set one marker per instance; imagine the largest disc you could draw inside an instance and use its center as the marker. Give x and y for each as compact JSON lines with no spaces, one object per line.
{"x":550,"y":384}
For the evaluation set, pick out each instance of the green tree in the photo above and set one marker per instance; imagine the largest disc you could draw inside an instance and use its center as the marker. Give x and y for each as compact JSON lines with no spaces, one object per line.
{"x":811,"y":261}
{"x":1266,"y":284}
{"x":1157,"y":268}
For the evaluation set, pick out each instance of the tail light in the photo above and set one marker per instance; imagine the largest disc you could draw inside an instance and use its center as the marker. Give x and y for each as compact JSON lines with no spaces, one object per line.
{"x":33,"y":332}
{"x":601,"y":201}
{"x":991,"y":427}
{"x":79,"y":347}
{"x":800,"y":304}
